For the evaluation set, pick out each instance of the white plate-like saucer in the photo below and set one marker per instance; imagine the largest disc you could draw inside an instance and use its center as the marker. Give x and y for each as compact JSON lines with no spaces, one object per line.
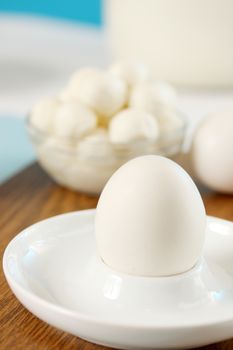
{"x":53,"y":269}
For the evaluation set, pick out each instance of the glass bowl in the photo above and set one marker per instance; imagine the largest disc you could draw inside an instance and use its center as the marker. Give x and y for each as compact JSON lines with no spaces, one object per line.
{"x":62,"y":159}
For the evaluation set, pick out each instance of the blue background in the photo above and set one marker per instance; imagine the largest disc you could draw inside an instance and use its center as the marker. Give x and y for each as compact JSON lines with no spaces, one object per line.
{"x":85,"y":11}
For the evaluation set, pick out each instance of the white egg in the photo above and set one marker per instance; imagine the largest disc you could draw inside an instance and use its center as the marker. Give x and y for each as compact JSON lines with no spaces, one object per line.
{"x":152,"y":96}
{"x":132,"y":73}
{"x":74,"y":119}
{"x":105,"y":93}
{"x":43,"y":113}
{"x":212,"y":151}
{"x":132,"y":125}
{"x":150,"y":219}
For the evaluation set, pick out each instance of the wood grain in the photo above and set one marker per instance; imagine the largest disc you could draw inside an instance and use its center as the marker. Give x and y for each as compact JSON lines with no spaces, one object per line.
{"x":25,"y":199}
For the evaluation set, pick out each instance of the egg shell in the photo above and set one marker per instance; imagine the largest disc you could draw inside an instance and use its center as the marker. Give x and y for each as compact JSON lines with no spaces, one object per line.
{"x":105,"y":93}
{"x":132,"y":125}
{"x":212,"y":151}
{"x":131,"y":72}
{"x":152,"y":96}
{"x":73,"y":120}
{"x":150,"y":219}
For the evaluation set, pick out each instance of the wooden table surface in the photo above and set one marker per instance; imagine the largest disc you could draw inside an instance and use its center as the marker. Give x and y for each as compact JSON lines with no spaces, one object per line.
{"x":31,"y":196}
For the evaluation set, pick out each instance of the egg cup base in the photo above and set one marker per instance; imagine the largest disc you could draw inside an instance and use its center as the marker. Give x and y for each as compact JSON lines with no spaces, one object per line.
{"x":53,"y":269}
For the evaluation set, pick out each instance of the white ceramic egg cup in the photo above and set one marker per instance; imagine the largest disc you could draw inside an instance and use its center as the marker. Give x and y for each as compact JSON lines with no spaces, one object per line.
{"x":53,"y":269}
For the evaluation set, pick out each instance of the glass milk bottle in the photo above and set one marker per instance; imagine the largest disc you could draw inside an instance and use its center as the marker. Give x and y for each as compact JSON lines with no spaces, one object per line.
{"x":187,"y":42}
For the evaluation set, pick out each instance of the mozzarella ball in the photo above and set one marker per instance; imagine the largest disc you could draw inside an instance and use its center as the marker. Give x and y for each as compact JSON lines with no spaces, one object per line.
{"x":152,"y":96}
{"x":55,"y":156}
{"x":105,"y":93}
{"x":132,"y":125}
{"x":97,"y":148}
{"x":170,"y":121}
{"x":212,"y":151}
{"x":171,"y":126}
{"x":132,"y":73}
{"x":74,"y":119}
{"x":76,"y":82}
{"x":150,"y":219}
{"x":66,"y":95}
{"x":43,"y":113}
